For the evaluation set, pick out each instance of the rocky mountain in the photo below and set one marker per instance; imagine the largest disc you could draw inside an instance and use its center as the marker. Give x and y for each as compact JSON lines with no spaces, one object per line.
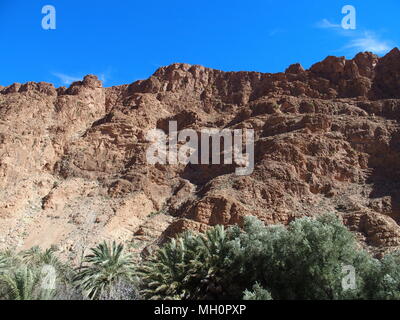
{"x":73,"y":167}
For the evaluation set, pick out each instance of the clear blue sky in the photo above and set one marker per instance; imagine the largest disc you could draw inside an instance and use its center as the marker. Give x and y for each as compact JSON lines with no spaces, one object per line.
{"x":125,"y":40}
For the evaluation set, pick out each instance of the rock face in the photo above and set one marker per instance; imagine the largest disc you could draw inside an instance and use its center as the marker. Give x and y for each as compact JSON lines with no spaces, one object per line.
{"x":73,"y":169}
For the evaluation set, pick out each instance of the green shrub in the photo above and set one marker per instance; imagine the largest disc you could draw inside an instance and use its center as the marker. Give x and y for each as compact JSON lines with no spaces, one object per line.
{"x":382,"y":278}
{"x":257,"y":293}
{"x":302,"y":261}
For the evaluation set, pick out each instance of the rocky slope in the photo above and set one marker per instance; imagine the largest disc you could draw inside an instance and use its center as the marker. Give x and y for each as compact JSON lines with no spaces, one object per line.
{"x":73,"y":169}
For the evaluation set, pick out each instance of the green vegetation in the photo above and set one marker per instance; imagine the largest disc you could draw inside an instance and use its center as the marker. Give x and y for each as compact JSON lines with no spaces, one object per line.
{"x":32,"y":275}
{"x":106,"y":273}
{"x":257,"y":293}
{"x":105,"y":268}
{"x":305,"y":260}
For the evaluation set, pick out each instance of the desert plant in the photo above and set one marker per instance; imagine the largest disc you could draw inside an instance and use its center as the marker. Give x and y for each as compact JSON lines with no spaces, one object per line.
{"x":193,"y":266}
{"x":33,"y":274}
{"x":9,"y":259}
{"x":103,"y":268}
{"x":23,"y":284}
{"x":36,"y":257}
{"x":3,"y":265}
{"x":165,"y":273}
{"x":210,"y":270}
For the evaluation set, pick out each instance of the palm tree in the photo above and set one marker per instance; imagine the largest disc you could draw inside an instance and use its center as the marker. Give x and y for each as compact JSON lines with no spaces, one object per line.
{"x":189,"y":267}
{"x":3,"y":264}
{"x":23,"y":284}
{"x":165,"y":273}
{"x":106,"y":266}
{"x":35,"y":256}
{"x":9,"y":258}
{"x":35,"y":274}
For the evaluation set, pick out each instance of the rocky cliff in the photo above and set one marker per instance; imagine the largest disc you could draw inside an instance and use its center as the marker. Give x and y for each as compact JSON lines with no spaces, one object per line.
{"x":73,"y":169}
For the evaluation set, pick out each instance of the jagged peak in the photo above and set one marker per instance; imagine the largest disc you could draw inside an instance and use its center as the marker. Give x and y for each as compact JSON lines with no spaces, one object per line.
{"x":394,"y":53}
{"x":89,"y":80}
{"x":185,"y":67}
{"x":333,"y":68}
{"x":295,"y":68}
{"x":43,"y":87}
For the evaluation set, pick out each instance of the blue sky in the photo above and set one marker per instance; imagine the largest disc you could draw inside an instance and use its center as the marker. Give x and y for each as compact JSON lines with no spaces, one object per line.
{"x":125,"y":40}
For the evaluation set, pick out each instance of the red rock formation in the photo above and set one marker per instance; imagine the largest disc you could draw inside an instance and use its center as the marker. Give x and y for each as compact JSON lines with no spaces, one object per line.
{"x":73,"y":167}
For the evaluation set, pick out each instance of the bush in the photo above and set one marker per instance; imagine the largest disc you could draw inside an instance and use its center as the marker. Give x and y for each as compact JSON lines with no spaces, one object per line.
{"x":382,"y":278}
{"x":258,"y":293}
{"x":303,"y":261}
